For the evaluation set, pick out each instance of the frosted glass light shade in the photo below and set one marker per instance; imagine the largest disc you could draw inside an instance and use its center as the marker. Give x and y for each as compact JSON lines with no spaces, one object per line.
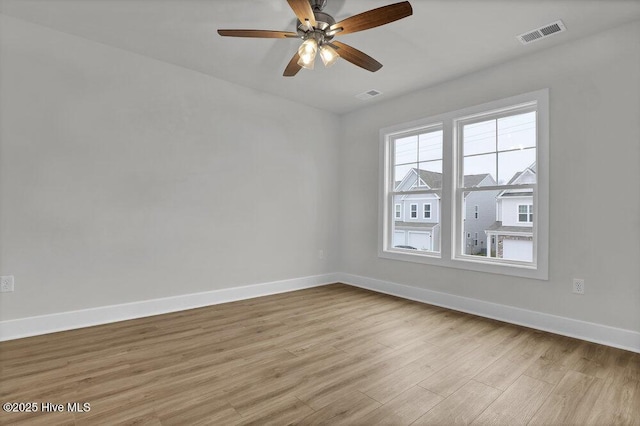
{"x":329,"y":55}
{"x":307,"y":52}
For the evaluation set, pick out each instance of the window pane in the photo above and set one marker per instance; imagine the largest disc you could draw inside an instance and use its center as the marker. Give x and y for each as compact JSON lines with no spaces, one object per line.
{"x":517,"y":167}
{"x":400,"y":172}
{"x":504,"y":226}
{"x":480,"y":164}
{"x":479,"y":216}
{"x":414,"y":231}
{"x":517,"y":131}
{"x":525,"y":213}
{"x":430,"y":146}
{"x":431,"y":174}
{"x":406,"y":150}
{"x":426,"y":211}
{"x":479,"y":138}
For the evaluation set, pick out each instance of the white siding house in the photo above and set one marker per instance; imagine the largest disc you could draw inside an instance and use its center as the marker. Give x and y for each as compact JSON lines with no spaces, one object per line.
{"x":417,"y":216}
{"x":479,"y":213}
{"x":511,"y":236}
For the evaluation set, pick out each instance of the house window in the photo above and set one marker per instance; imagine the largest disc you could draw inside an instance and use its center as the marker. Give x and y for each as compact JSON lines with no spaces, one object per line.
{"x":426,"y":211}
{"x":525,"y":213}
{"x":491,"y":157}
{"x":414,"y":211}
{"x":415,"y":169}
{"x":398,"y":211}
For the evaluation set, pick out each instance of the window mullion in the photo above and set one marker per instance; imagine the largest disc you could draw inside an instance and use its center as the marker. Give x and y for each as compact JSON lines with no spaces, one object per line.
{"x":447,"y":201}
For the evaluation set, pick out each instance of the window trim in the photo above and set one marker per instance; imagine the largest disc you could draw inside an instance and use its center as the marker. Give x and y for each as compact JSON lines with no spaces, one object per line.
{"x":396,"y":211}
{"x":528,"y":213}
{"x":411,"y":211}
{"x":450,"y":208}
{"x":424,"y":211}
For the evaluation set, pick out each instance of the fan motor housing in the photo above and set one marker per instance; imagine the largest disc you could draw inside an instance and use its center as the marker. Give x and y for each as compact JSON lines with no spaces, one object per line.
{"x":323,"y":22}
{"x":318,"y":4}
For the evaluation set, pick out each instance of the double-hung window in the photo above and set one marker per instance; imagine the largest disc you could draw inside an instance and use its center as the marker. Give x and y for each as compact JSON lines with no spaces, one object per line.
{"x":525,"y":213}
{"x":414,"y":211}
{"x":490,"y":158}
{"x":415,"y":168}
{"x":398,"y":211}
{"x":426,"y":211}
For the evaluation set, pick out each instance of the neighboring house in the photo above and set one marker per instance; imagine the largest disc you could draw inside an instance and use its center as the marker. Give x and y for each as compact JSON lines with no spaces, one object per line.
{"x":511,"y":236}
{"x":417,"y":216}
{"x":480,"y":213}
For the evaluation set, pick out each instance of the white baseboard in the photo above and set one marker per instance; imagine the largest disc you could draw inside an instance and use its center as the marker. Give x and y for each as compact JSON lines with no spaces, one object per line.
{"x":597,"y":333}
{"x":33,"y":326}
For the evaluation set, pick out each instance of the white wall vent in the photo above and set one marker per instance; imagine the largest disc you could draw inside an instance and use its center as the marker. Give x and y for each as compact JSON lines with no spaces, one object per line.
{"x":369,"y":94}
{"x":542,"y":32}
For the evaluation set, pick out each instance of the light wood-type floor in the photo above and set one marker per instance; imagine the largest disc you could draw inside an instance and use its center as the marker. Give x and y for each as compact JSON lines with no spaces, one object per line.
{"x":328,"y":355}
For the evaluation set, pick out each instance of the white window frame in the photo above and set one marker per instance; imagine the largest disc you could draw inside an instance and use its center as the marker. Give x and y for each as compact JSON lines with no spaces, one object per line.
{"x":397,"y":210}
{"x":412,"y":211}
{"x":528,"y":213}
{"x":451,"y":212}
{"x":424,"y":211}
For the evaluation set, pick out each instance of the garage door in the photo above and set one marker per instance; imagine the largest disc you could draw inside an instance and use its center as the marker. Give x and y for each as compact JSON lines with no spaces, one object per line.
{"x":518,"y":250}
{"x":398,"y":238}
{"x":420,"y":240}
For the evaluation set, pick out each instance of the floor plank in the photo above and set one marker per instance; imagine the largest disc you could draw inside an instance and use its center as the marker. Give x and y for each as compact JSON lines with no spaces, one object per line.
{"x":518,"y":404}
{"x":462,"y":407}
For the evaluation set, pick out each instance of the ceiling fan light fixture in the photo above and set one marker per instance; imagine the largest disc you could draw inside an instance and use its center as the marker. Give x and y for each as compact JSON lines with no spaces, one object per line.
{"x":328,"y":55}
{"x":307,"y":52}
{"x":317,"y":30}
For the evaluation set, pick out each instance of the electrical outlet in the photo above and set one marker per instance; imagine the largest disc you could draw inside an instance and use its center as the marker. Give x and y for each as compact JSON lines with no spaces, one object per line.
{"x":578,"y":286}
{"x":6,"y":283}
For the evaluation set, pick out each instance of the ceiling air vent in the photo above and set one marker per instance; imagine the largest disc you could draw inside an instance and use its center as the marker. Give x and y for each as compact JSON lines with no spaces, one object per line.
{"x":542,"y":32}
{"x":369,"y":94}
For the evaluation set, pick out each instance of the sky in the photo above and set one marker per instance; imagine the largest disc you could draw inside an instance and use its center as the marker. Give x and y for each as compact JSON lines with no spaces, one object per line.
{"x":501,"y":147}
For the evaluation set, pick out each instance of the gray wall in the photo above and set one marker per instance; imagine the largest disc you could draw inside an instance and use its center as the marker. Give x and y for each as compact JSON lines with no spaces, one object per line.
{"x":595,"y":152}
{"x":123,"y":178}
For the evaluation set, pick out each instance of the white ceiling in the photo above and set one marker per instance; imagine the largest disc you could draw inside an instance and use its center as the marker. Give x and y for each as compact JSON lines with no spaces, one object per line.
{"x":443,"y":39}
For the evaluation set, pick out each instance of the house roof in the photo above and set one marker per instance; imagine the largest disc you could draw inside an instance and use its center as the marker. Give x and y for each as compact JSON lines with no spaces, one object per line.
{"x":431,"y":179}
{"x":497,"y":228}
{"x":516,"y":179}
{"x":415,"y":225}
{"x":434,"y":179}
{"x":469,"y":181}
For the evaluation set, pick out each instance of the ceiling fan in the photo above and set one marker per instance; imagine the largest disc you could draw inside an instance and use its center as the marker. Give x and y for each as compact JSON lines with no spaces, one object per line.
{"x":317,"y":30}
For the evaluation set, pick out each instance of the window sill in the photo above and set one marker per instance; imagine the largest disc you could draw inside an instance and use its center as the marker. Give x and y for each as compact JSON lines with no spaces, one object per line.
{"x":469,"y":263}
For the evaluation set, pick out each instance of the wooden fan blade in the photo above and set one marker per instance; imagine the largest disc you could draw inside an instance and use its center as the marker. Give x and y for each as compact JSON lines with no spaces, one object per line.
{"x":355,"y":56}
{"x":257,"y":33}
{"x":374,"y":18}
{"x":293,"y":67}
{"x":302,"y":9}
